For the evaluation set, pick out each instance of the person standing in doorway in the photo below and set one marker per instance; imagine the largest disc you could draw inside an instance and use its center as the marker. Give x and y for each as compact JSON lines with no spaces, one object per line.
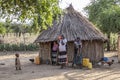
{"x":77,"y":50}
{"x":54,"y":53}
{"x":62,"y":57}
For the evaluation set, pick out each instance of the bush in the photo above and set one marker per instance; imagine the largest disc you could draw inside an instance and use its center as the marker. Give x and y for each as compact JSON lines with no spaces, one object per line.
{"x":18,"y":47}
{"x":14,"y":47}
{"x":7,"y":47}
{"x":2,"y":47}
{"x":32,"y":47}
{"x":22,"y":47}
{"x":113,"y":42}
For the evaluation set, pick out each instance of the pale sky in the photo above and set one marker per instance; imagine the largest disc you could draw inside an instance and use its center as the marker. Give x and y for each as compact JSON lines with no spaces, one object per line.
{"x":77,"y":4}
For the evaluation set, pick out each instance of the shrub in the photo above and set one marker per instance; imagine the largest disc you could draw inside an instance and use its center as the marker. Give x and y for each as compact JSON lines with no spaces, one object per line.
{"x":18,"y":47}
{"x":32,"y":47}
{"x":2,"y":47}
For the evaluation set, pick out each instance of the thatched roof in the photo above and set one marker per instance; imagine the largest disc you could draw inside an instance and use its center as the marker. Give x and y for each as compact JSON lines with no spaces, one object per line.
{"x":72,"y":24}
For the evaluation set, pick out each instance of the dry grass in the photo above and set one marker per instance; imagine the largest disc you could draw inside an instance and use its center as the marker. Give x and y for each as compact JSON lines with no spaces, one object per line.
{"x":12,"y":39}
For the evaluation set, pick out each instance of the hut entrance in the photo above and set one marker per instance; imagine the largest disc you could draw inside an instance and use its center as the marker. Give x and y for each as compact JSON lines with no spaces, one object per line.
{"x":54,"y":52}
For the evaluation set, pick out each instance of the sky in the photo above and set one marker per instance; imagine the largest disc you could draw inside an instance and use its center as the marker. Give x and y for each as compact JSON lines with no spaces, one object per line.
{"x":77,"y":4}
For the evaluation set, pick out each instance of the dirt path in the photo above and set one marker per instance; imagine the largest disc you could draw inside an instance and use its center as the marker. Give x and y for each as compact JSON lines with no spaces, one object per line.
{"x":31,"y":71}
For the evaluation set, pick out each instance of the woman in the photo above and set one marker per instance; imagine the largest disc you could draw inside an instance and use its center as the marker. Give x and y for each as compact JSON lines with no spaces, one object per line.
{"x":62,"y":57}
{"x":54,"y":53}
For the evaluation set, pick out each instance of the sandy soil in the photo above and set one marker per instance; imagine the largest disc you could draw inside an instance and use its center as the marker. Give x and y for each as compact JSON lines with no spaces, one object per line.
{"x":30,"y":71}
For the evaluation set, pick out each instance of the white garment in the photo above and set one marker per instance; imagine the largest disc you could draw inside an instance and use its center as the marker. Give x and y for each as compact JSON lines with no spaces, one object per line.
{"x":62,"y":56}
{"x":77,"y":44}
{"x":62,"y":47}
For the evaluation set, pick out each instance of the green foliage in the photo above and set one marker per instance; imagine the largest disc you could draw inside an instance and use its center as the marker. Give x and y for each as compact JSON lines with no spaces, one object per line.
{"x":15,"y":47}
{"x":22,"y":47}
{"x":16,"y":28}
{"x":18,"y":47}
{"x":105,"y":14}
{"x":2,"y":47}
{"x":42,"y":12}
{"x":2,"y":29}
{"x":32,"y":47}
{"x":110,"y":20}
{"x":113,"y":41}
{"x":7,"y":47}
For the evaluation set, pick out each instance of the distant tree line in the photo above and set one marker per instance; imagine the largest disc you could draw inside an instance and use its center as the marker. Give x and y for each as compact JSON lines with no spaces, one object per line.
{"x":105,"y":14}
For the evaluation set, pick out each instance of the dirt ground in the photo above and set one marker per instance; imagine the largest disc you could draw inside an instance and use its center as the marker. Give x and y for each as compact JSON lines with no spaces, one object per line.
{"x":31,"y":71}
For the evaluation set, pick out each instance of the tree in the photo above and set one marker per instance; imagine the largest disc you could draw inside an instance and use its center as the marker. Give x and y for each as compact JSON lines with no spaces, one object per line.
{"x":106,"y":15}
{"x":41,"y":12}
{"x":96,"y":7}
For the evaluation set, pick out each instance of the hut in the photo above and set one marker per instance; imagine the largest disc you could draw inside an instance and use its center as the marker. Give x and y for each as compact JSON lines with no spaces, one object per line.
{"x":72,"y":24}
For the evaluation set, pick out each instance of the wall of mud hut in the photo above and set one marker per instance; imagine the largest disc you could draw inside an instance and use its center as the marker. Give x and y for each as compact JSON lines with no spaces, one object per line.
{"x":90,"y":49}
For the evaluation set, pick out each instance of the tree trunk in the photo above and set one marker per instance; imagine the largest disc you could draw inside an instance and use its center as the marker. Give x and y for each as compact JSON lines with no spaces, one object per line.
{"x":24,"y":41}
{"x":108,"y":42}
{"x":119,"y":48}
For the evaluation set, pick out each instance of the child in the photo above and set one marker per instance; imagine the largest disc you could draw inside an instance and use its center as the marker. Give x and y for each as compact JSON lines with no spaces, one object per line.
{"x":17,"y":62}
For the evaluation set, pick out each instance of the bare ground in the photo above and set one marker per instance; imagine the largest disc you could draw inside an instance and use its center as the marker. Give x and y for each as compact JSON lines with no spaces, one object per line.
{"x":30,"y":71}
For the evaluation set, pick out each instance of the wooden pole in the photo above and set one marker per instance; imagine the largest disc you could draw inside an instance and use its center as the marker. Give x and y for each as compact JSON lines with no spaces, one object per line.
{"x":119,"y":47}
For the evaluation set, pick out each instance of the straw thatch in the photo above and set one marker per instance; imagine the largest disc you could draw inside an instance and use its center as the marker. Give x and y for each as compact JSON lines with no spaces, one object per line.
{"x":72,"y":24}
